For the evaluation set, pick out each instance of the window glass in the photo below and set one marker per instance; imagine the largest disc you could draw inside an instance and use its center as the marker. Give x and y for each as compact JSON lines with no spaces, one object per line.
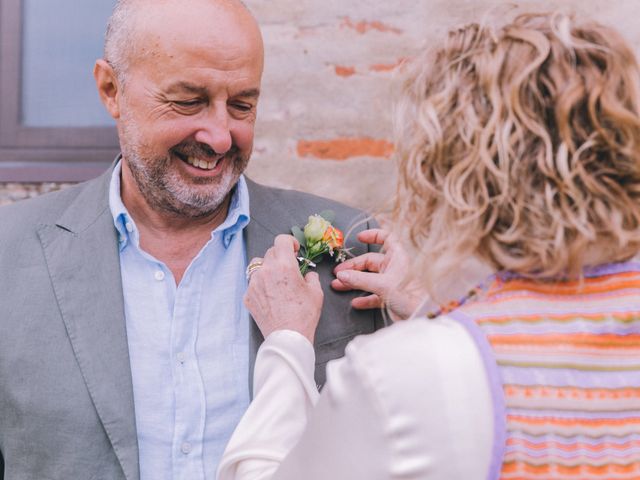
{"x":61,"y":41}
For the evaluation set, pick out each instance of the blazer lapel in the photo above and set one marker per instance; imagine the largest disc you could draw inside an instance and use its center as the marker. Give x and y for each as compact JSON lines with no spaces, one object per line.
{"x":258,"y":236}
{"x":81,"y":250}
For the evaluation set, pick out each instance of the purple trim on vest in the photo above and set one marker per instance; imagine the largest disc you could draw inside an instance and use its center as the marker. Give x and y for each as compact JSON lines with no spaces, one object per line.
{"x":497,"y":392}
{"x":611,"y":269}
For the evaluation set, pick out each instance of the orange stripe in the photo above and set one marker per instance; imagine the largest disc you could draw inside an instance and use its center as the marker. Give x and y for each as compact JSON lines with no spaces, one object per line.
{"x":557,"y":317}
{"x":514,"y":467}
{"x":604,"y":283}
{"x":564,"y":300}
{"x":574,"y":339}
{"x":572,"y":393}
{"x":596,"y":353}
{"x":572,"y":422}
{"x":574,"y":446}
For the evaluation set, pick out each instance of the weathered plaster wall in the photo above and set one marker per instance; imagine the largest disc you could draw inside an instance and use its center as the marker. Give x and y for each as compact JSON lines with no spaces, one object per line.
{"x":12,"y":192}
{"x":324,"y":120}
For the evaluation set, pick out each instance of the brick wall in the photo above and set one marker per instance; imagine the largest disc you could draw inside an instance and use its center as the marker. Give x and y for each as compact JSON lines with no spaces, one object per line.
{"x":324,"y":119}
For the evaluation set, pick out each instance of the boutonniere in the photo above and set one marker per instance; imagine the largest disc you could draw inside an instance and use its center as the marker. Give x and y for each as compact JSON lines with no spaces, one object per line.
{"x":318,"y":238}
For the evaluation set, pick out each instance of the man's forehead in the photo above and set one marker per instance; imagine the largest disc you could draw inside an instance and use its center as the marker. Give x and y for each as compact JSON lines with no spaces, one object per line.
{"x":185,"y":4}
{"x":169,"y":37}
{"x":217,"y":23}
{"x":144,"y":12}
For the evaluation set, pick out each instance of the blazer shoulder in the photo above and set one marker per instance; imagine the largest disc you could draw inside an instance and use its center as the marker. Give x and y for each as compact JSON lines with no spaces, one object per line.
{"x":26,"y":215}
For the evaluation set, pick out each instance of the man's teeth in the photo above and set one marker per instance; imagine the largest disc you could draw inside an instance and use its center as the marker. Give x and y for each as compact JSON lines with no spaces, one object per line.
{"x":202,"y":163}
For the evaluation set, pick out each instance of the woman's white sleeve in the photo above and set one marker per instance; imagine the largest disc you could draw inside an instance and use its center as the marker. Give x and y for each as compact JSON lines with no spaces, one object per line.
{"x":262,"y":447}
{"x":408,"y":402}
{"x":284,"y":393}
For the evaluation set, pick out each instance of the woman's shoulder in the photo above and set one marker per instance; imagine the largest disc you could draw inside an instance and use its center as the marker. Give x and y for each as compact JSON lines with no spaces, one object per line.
{"x":419,"y":339}
{"x":417,"y":358}
{"x":427,"y":381}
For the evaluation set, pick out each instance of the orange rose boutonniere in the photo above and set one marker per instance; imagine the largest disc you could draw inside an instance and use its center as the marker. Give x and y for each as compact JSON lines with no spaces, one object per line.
{"x":317,"y":238}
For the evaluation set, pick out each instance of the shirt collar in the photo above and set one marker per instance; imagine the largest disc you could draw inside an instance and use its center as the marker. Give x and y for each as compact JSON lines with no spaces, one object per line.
{"x":237,"y":217}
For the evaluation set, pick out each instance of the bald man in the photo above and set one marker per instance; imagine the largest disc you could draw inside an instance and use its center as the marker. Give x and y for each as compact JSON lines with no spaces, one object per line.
{"x":126,"y":352}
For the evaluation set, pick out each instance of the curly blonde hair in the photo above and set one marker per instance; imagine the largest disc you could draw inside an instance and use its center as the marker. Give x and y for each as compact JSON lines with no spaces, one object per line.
{"x":520,"y":146}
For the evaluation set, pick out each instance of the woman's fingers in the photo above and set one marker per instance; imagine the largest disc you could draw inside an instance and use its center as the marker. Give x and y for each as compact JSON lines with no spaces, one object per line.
{"x":286,"y":243}
{"x":285,"y":248}
{"x":368,"y":302}
{"x":373,"y":236}
{"x":366,"y":281}
{"x":370,"y":262}
{"x":313,"y":281}
{"x":360,"y":273}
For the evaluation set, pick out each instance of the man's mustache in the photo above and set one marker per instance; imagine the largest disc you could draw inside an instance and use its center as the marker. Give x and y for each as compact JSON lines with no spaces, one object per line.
{"x":201,"y":150}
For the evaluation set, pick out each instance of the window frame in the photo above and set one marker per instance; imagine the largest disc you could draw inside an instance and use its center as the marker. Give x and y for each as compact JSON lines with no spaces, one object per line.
{"x":41,"y":154}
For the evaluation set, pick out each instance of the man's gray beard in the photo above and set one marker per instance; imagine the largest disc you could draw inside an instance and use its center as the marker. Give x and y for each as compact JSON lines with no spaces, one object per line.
{"x":166,"y":191}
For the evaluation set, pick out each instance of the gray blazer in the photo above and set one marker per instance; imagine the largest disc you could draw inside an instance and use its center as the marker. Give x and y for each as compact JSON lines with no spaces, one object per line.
{"x":66,"y":397}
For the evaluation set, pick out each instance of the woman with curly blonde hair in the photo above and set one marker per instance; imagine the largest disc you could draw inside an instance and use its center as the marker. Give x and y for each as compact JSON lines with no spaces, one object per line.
{"x":519,"y":146}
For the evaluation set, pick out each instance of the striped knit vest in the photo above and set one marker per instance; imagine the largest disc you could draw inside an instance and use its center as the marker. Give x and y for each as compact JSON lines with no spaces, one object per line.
{"x":563,"y":360}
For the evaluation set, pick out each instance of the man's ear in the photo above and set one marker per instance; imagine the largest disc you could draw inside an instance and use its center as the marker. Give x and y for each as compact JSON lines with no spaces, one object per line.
{"x":108,"y":87}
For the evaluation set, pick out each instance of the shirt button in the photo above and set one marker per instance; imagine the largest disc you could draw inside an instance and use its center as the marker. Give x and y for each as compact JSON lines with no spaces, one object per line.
{"x":185,"y":448}
{"x":181,"y":357}
{"x":159,"y":275}
{"x":129,"y":227}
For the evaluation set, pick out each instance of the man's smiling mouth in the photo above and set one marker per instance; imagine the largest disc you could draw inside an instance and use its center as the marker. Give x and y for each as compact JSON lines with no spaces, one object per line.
{"x":200,"y":163}
{"x":203,"y":164}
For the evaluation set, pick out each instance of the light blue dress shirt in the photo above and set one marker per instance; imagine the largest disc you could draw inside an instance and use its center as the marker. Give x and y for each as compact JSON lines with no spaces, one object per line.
{"x":188,"y":344}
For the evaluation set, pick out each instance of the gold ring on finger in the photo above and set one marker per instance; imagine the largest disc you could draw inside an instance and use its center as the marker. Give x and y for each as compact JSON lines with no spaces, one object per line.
{"x":252,"y":267}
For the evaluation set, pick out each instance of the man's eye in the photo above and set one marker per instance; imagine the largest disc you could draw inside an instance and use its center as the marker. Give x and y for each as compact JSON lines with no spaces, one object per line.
{"x":242,"y":107}
{"x":187,"y":103}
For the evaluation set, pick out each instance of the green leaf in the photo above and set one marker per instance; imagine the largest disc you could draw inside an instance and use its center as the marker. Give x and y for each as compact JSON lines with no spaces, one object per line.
{"x":299,"y":234}
{"x":328,"y":215}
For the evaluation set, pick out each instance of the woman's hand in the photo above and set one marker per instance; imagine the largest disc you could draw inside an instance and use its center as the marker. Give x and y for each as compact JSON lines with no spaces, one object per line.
{"x":382,"y":275}
{"x":278,"y":297}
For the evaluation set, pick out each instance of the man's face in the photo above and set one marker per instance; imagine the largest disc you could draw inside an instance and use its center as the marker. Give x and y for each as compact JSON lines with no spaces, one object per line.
{"x":188,"y":108}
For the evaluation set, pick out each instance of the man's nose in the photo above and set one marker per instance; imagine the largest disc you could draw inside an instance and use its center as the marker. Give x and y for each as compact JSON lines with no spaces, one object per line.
{"x":214,"y":130}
